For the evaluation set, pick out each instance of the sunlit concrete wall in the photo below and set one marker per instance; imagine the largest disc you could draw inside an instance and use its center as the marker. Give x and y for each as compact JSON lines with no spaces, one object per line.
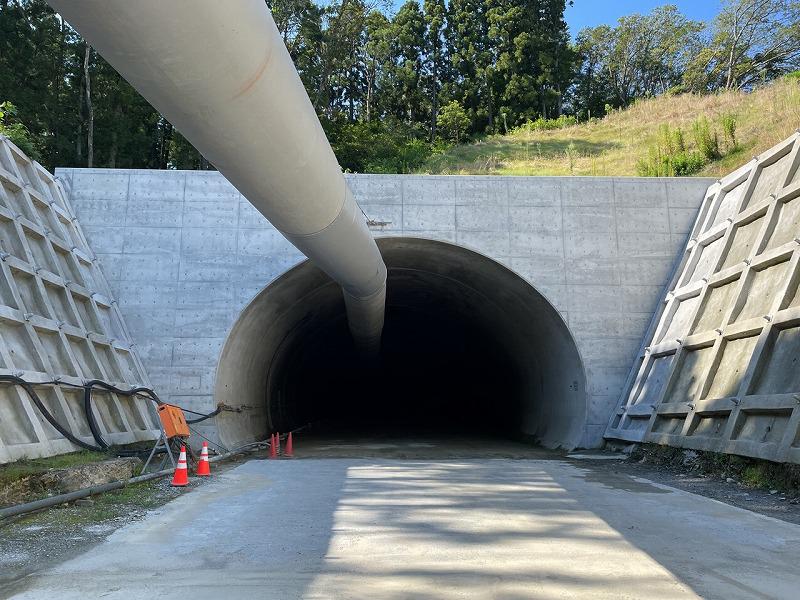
{"x":184,"y":252}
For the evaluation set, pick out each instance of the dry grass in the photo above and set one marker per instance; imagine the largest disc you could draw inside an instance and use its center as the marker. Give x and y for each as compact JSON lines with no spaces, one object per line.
{"x":613,"y":145}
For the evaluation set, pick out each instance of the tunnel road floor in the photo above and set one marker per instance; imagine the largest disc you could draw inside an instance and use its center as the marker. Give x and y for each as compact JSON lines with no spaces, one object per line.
{"x":383,"y":529}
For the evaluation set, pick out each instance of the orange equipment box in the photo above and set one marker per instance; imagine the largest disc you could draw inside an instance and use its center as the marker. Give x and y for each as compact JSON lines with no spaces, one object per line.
{"x":173,"y":421}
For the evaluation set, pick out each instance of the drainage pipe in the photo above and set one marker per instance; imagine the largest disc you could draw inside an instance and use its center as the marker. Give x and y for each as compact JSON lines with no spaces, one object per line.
{"x":221,"y":74}
{"x":28,"y":507}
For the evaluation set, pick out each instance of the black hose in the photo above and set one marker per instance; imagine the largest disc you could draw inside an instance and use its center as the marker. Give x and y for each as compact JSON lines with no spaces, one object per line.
{"x":93,"y":427}
{"x":21,"y":509}
{"x":203,"y":417}
{"x":87,"y":404}
{"x":137,"y":391}
{"x":47,"y":414}
{"x":102,"y":445}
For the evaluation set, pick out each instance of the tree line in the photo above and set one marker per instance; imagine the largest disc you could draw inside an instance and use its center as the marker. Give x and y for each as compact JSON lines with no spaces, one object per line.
{"x":392,"y":87}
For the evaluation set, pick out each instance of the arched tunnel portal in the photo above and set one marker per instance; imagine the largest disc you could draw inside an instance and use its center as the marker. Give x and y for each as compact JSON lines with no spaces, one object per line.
{"x":468,"y":345}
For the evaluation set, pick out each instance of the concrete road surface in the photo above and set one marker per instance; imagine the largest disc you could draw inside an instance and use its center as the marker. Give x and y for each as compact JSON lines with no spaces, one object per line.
{"x":392,"y":529}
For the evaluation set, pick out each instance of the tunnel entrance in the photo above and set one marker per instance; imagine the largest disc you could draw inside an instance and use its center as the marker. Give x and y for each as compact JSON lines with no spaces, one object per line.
{"x":468,"y":345}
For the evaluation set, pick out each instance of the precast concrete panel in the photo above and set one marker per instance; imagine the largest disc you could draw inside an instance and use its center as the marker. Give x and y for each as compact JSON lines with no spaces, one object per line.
{"x":719,"y":367}
{"x":57,"y":322}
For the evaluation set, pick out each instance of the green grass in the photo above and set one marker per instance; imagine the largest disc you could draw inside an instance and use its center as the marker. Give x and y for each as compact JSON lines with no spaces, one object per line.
{"x":137,"y":498}
{"x":27,"y":467}
{"x":614,"y":145}
{"x":751,"y":472}
{"x":143,"y":496}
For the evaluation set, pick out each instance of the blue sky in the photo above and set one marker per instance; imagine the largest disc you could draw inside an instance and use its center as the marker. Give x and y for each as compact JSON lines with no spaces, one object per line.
{"x":589,"y":13}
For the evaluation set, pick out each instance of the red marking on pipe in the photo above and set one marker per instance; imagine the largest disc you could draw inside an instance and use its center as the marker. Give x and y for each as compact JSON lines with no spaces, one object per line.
{"x":248,"y":84}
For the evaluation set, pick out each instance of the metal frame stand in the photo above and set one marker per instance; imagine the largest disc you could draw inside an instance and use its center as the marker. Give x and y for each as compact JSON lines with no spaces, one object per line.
{"x":162,"y":443}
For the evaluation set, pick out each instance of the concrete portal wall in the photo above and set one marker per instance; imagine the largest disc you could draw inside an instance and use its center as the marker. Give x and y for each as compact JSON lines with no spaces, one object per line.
{"x":184,"y":252}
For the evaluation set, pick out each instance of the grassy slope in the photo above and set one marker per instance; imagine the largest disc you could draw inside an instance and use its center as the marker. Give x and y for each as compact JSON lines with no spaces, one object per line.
{"x":613,"y":145}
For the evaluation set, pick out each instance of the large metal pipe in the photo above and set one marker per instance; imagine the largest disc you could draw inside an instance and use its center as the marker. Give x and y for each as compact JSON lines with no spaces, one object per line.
{"x":220,"y":73}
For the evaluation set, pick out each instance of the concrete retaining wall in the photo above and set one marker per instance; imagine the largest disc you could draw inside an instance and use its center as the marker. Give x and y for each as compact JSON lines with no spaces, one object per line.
{"x":184,"y":252}
{"x":719,"y":369}
{"x":57,"y":323}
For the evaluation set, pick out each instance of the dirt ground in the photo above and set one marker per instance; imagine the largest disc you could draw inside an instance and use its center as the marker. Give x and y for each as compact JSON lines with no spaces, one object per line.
{"x":776,"y":503}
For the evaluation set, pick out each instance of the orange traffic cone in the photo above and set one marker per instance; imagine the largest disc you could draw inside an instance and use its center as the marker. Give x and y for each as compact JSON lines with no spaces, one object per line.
{"x":289,"y":452}
{"x":204,"y":467}
{"x":181,"y":476}
{"x":273,"y":451}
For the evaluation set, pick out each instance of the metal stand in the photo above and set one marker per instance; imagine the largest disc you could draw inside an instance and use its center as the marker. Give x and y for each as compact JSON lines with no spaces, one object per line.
{"x":162,"y":443}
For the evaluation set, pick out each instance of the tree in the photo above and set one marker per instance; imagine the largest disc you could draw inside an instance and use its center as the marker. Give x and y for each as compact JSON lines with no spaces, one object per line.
{"x":454,"y":120}
{"x":532,"y":60}
{"x":378,"y":82}
{"x":16,"y":131}
{"x":36,"y":47}
{"x":556,"y":61}
{"x":472,"y":61}
{"x":300,"y":25}
{"x":593,"y":89}
{"x":340,"y":58}
{"x":750,"y":41}
{"x":87,"y":88}
{"x":435,"y":15}
{"x":402,"y":85}
{"x":378,"y":53}
{"x":644,"y":55}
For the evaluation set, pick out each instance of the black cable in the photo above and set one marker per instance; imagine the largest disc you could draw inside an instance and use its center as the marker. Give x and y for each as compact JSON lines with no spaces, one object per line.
{"x":87,"y":404}
{"x":137,"y":391}
{"x":87,"y":410}
{"x":47,"y":414}
{"x":203,"y":417}
{"x":197,"y":433}
{"x":87,"y":387}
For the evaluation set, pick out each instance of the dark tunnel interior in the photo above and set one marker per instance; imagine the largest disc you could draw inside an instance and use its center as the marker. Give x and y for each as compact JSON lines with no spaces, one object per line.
{"x":468,"y":346}
{"x":438,"y":370}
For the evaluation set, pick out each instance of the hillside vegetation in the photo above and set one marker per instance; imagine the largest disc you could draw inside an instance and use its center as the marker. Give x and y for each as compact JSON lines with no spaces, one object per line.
{"x":619,"y":143}
{"x":395,"y":83}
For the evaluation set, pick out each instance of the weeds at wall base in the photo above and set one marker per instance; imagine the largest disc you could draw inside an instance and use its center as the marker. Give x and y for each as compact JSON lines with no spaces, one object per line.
{"x":749,"y":472}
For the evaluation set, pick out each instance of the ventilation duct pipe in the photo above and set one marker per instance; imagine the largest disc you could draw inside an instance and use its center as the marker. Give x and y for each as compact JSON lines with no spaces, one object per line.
{"x":220,"y":73}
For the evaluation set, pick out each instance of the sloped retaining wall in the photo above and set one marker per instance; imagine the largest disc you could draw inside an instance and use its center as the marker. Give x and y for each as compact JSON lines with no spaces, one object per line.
{"x":720,"y":369}
{"x":57,"y":320}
